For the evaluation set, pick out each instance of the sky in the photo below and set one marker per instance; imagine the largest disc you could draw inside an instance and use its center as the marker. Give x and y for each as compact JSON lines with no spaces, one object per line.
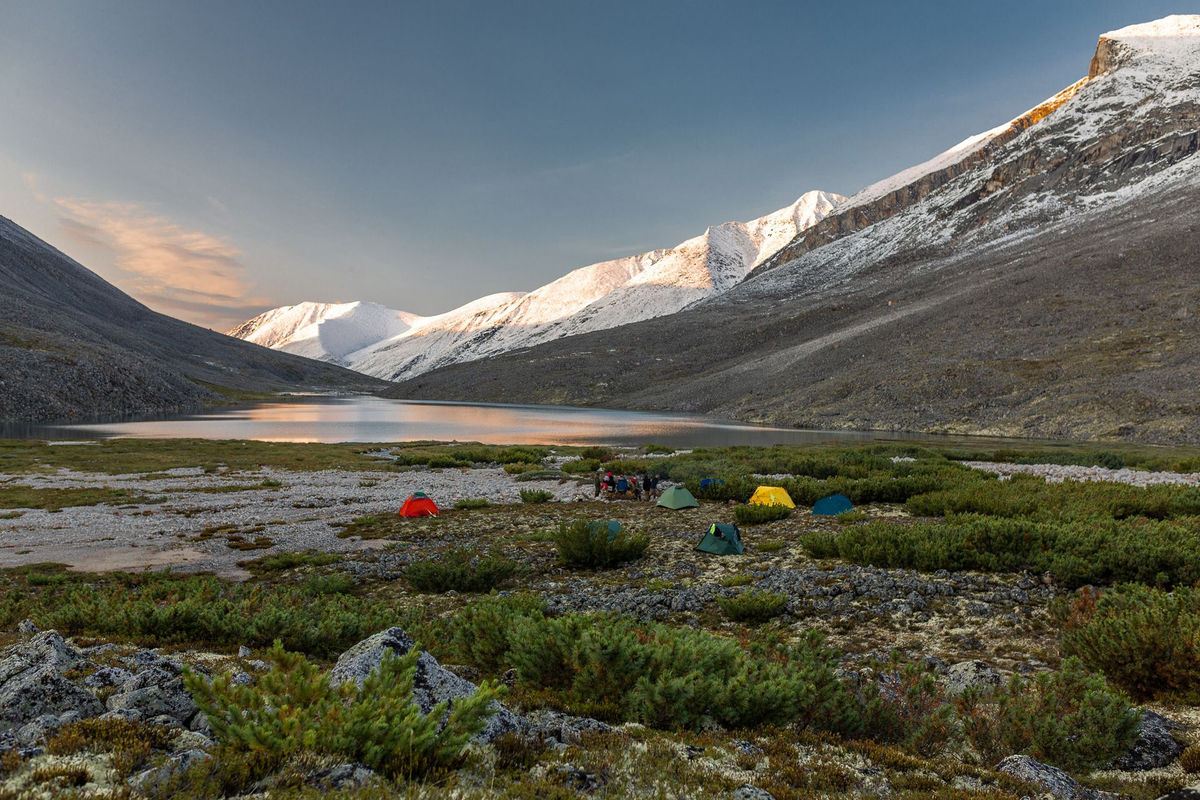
{"x":215,"y":159}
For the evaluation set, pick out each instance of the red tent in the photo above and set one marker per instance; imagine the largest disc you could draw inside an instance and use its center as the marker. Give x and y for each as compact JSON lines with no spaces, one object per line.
{"x":418,"y":504}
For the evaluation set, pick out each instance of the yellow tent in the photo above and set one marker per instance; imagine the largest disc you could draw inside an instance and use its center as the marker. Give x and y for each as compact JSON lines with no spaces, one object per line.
{"x":771,"y":496}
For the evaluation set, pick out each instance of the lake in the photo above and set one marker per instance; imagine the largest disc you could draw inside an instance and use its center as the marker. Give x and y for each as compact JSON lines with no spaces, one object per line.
{"x":374,"y":419}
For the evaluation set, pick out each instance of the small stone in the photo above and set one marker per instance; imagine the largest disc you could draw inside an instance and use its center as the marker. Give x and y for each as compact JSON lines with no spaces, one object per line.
{"x":27,"y":627}
{"x":1052,"y":779}
{"x":971,"y":675}
{"x":244,"y":652}
{"x":342,"y":776}
{"x":748,"y":792}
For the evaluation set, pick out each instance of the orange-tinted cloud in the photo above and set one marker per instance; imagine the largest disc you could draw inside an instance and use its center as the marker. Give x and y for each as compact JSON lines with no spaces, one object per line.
{"x":186,"y":273}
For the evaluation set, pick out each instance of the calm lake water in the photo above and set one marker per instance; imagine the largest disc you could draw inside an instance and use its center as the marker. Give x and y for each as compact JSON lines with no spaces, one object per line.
{"x":373,"y":419}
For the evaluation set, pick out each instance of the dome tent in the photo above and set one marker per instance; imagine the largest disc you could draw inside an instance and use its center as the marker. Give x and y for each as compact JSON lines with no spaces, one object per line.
{"x":771,"y":496}
{"x":832,"y":506}
{"x":419,"y":504}
{"x":677,"y":497}
{"x":722,"y":540}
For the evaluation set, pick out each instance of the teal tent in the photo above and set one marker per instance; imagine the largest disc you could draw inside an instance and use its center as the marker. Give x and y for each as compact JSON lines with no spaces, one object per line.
{"x":611,"y":525}
{"x":833,"y":505}
{"x":677,"y":497}
{"x":721,"y":540}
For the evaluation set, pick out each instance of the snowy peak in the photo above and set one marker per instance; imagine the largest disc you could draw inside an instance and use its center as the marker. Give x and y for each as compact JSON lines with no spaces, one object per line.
{"x":1173,"y":38}
{"x":328,"y":331}
{"x":393,"y":344}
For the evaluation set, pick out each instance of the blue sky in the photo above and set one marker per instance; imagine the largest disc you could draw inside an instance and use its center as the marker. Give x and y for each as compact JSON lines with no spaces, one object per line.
{"x":215,"y":158}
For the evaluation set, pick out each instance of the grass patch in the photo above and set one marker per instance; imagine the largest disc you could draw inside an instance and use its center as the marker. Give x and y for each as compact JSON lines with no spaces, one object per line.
{"x":58,"y":499}
{"x":536,"y":496}
{"x":468,"y":503}
{"x":770,"y":545}
{"x":278,"y":562}
{"x":734,"y":581}
{"x":758,"y":515}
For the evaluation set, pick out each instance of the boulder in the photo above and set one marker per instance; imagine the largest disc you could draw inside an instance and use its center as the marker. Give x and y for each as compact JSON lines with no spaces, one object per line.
{"x":1051,"y":779}
{"x":32,"y":685}
{"x":556,"y":726}
{"x":149,"y":780}
{"x":1155,"y":747}
{"x":107,"y":676}
{"x":155,"y":692}
{"x":971,"y":674}
{"x":1186,"y":793}
{"x":432,"y":684}
{"x":342,"y":776}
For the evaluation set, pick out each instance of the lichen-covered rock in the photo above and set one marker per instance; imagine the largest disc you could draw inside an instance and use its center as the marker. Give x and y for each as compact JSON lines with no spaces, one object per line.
{"x":32,"y":685}
{"x":1186,"y":793}
{"x":107,"y":676}
{"x":150,"y":779}
{"x":432,"y":684}
{"x":1154,"y":747}
{"x":1052,"y":779}
{"x":971,"y":675}
{"x":155,"y":692}
{"x":748,"y":792}
{"x":556,"y":726}
{"x":342,"y":776}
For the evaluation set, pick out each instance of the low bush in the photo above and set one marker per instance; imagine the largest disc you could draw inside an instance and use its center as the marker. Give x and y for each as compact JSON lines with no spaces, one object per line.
{"x":581,"y":466}
{"x":459,"y":571}
{"x":130,"y":743}
{"x":1075,"y":552}
{"x":617,"y":668}
{"x":590,"y":545}
{"x":753,"y":607}
{"x":757,"y":515}
{"x":536,"y":496}
{"x":337,"y":583}
{"x":1069,"y":718}
{"x":468,"y":503}
{"x":722,"y":490}
{"x":1145,"y":640}
{"x":481,"y":630}
{"x":293,"y":709}
{"x":521,"y":467}
{"x":279,"y":562}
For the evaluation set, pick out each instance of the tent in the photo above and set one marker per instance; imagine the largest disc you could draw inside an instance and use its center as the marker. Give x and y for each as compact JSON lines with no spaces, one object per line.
{"x":419,"y":504}
{"x":677,"y":497}
{"x":722,"y":540}
{"x":833,"y":505}
{"x":771,"y":496}
{"x":707,"y":482}
{"x":611,"y":525}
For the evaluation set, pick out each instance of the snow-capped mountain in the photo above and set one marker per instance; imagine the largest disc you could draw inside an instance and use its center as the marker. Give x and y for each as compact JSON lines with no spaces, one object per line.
{"x":1038,"y":279}
{"x":395,"y":345}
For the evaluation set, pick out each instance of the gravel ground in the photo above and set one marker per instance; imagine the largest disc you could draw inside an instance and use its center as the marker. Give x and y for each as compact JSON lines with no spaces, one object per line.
{"x":298,"y":515}
{"x":1056,"y":473}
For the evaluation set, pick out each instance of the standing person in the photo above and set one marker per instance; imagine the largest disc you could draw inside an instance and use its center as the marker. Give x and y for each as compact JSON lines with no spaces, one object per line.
{"x":596,"y":477}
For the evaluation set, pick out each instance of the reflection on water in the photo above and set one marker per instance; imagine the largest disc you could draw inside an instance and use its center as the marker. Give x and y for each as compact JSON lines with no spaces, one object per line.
{"x":373,"y":419}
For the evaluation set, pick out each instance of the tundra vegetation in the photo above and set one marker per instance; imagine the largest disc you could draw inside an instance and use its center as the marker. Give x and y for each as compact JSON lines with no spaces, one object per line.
{"x":822,"y":662}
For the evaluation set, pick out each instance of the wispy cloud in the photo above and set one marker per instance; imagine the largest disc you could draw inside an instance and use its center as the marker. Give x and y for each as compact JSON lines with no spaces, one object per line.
{"x":182,"y":272}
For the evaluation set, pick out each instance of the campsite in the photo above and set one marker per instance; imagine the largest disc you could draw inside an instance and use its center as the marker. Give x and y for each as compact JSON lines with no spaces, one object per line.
{"x":900,"y":590}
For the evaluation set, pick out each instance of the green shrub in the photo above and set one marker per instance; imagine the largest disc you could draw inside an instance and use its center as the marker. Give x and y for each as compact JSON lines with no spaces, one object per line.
{"x":481,"y":630}
{"x":597,"y":453}
{"x":293,"y":709}
{"x":734,"y":581}
{"x":617,"y":668}
{"x":467,"y":503}
{"x":581,"y":466}
{"x":1077,"y":553}
{"x":753,"y":607}
{"x":164,"y":609}
{"x":905,"y":704}
{"x":337,"y":583}
{"x":1147,"y":641}
{"x":459,"y":571}
{"x":757,"y":515}
{"x":521,"y":467}
{"x":278,"y":562}
{"x":589,"y":545}
{"x":770,"y":545}
{"x":1069,"y":718}
{"x":722,"y":490}
{"x":536,"y":496}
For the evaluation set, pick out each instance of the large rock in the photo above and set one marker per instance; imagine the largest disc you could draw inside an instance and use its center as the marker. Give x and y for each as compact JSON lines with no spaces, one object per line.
{"x":1155,"y":747}
{"x":1052,"y":779}
{"x":152,"y":693}
{"x":432,"y":683}
{"x":971,"y":675}
{"x":157,"y":778}
{"x":32,"y":685}
{"x":1186,"y":793}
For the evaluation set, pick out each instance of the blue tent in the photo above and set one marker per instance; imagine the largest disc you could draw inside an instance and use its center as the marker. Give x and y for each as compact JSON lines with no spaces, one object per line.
{"x":611,"y":525}
{"x":707,"y":482}
{"x":833,"y":505}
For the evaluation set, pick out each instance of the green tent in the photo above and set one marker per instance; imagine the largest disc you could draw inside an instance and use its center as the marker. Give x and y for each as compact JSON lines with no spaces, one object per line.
{"x":677,"y":497}
{"x":611,"y":525}
{"x":722,"y":540}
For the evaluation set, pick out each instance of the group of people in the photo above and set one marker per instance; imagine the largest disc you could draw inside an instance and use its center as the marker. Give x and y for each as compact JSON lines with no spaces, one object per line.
{"x":642,"y":486}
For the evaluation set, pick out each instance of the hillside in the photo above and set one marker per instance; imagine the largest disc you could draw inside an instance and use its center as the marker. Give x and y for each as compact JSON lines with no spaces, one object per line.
{"x":1041,"y":285}
{"x":595,"y":297}
{"x":73,"y":347}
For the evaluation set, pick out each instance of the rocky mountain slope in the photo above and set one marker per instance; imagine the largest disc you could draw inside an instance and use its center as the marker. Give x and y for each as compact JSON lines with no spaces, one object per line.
{"x":395,"y":345}
{"x":1043,"y":284}
{"x":74,"y":347}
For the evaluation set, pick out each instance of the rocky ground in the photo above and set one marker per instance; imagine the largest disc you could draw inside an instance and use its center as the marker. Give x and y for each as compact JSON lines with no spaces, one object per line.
{"x":971,"y":629}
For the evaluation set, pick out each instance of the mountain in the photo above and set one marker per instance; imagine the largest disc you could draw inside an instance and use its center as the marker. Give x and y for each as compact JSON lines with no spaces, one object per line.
{"x":73,"y":347}
{"x":396,"y":345}
{"x":1038,"y":280}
